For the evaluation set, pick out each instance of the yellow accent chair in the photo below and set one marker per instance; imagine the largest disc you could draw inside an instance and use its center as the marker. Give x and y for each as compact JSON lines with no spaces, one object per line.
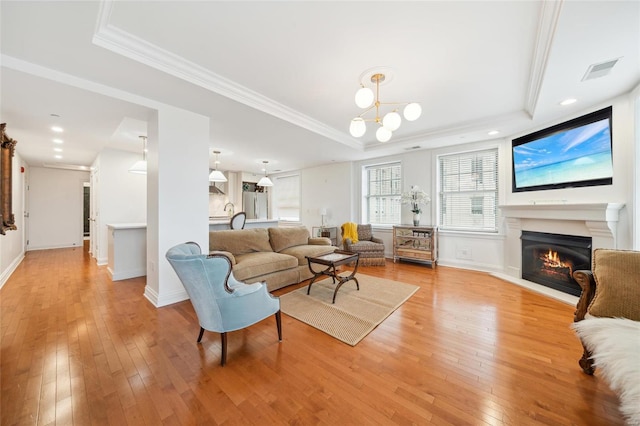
{"x":370,"y":248}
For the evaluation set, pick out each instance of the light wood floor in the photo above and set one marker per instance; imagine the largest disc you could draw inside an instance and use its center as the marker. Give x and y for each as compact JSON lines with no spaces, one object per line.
{"x":466,"y":349}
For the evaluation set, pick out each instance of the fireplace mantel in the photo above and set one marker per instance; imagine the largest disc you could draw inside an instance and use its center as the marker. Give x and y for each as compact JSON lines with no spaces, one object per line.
{"x":597,"y":220}
{"x":596,"y":212}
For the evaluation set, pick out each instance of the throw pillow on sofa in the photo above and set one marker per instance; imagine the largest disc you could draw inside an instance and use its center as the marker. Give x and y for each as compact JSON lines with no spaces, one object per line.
{"x":283,"y":238}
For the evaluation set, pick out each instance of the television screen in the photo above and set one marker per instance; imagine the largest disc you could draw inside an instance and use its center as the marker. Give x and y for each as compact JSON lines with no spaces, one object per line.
{"x":571,"y":154}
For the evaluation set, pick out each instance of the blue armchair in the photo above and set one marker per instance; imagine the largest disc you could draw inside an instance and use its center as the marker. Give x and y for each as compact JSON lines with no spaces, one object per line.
{"x":222,"y":303}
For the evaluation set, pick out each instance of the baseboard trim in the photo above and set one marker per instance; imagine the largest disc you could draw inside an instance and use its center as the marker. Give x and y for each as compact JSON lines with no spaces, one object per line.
{"x":125,"y":275}
{"x":166,"y":299}
{"x":10,"y":269}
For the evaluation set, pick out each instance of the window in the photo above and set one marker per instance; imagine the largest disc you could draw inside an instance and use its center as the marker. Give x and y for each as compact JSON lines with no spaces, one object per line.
{"x":468,"y":197}
{"x":287,"y":198}
{"x":382,"y":185}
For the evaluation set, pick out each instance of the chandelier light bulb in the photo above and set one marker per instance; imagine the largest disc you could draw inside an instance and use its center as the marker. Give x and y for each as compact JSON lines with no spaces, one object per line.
{"x":383,"y":134}
{"x":412,"y":111}
{"x":364,"y":97}
{"x":357,"y":127}
{"x":392,"y":121}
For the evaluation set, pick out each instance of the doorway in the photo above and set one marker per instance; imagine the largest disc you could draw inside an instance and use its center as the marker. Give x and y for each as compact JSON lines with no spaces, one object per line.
{"x":86,"y":211}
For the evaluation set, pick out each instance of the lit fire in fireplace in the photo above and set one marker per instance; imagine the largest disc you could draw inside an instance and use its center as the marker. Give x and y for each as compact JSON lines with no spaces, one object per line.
{"x":553,"y":265}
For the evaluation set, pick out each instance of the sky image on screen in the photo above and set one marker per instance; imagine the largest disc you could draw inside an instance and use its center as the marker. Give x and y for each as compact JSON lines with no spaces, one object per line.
{"x":575,"y":155}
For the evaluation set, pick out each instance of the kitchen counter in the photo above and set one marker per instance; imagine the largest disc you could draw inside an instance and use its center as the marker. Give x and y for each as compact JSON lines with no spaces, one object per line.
{"x":221,"y":224}
{"x":127,"y":250}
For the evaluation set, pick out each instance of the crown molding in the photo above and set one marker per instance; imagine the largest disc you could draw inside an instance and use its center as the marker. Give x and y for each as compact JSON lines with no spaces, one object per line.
{"x":30,"y":68}
{"x":547,"y":25}
{"x":430,"y":139}
{"x":128,"y":45}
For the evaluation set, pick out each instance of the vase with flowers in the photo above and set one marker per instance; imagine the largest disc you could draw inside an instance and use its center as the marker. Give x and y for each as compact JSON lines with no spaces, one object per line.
{"x":415,"y":197}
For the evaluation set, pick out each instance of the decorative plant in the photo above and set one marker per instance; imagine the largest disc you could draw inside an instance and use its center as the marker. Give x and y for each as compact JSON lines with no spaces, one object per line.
{"x":416,"y":197}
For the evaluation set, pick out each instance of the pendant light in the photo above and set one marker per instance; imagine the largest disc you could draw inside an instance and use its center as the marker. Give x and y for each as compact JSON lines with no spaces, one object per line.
{"x":216,"y":175}
{"x":140,"y":166}
{"x":265,"y":181}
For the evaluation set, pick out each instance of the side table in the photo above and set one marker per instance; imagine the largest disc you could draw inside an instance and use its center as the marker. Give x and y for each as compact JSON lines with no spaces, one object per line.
{"x":330,"y":232}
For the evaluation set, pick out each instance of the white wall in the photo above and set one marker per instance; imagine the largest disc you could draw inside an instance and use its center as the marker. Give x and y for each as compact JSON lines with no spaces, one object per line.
{"x":325,"y":187}
{"x":177,"y":196}
{"x":12,"y":244}
{"x":622,"y":188}
{"x":55,"y":199}
{"x":121,"y":196}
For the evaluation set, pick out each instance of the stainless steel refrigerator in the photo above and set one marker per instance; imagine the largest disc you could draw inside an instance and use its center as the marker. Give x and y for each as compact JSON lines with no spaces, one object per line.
{"x":255,"y":205}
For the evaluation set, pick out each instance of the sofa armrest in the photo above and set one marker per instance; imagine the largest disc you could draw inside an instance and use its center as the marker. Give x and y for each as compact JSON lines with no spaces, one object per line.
{"x":319,"y":241}
{"x":377,"y":240}
{"x":588,"y":284}
{"x":226,"y":254}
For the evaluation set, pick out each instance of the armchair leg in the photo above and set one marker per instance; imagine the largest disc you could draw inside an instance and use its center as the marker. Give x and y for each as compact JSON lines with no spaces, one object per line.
{"x":223,"y":340}
{"x":200,"y":335}
{"x":279,"y":325}
{"x":586,"y":362}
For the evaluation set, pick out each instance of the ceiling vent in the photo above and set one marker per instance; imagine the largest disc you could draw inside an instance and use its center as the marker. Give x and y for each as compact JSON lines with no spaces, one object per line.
{"x":411,"y":148}
{"x":599,"y":70}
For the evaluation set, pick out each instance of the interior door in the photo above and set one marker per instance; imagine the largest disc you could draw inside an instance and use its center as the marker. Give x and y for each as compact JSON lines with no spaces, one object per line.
{"x":25,"y":204}
{"x":93,"y":215}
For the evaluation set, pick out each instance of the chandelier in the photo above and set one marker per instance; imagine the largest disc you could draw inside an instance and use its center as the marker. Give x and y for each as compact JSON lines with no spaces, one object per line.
{"x":391,"y":121}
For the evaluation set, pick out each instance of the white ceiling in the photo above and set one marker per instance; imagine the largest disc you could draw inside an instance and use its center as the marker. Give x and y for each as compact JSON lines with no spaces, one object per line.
{"x":278,"y":78}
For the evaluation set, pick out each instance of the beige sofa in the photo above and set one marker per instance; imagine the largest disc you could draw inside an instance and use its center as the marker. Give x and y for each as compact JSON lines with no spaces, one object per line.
{"x":274,"y":255}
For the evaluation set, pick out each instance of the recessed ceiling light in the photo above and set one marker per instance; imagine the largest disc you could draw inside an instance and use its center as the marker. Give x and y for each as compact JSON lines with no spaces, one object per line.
{"x":493,"y":132}
{"x":57,"y":129}
{"x":568,"y":101}
{"x":57,"y":149}
{"x":58,"y":141}
{"x":59,"y":157}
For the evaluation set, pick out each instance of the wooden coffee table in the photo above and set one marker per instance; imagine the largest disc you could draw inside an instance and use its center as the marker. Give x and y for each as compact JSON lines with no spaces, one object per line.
{"x":332,"y":260}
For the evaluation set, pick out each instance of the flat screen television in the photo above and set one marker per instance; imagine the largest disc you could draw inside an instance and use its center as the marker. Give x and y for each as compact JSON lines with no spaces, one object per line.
{"x":572,"y":154}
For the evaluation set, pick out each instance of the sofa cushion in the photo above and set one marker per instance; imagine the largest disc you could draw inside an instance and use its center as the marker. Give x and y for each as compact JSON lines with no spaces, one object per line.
{"x":299,"y":252}
{"x":362,"y":246}
{"x":617,"y":276}
{"x":282,"y":238}
{"x":240,"y":241}
{"x":254,"y":264}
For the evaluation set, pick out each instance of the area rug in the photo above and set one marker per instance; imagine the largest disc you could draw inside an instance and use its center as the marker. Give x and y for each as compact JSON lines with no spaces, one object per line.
{"x":355,"y":313}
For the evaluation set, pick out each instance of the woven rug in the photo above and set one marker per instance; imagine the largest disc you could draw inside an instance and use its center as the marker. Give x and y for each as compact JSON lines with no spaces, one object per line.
{"x":355,"y":313}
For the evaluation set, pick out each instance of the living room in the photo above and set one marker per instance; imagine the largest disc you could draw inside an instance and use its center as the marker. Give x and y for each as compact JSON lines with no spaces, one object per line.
{"x":332,"y":184}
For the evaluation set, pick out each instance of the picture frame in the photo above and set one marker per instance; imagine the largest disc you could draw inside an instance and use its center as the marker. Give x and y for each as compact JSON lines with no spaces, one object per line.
{"x":7,"y":150}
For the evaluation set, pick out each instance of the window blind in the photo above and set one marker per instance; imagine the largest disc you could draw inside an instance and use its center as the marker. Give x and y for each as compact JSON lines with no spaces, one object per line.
{"x":468,"y":191}
{"x":382,"y":193}
{"x":287,"y":197}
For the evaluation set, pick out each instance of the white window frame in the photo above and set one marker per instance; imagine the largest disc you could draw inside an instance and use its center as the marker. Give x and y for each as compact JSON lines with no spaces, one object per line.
{"x":289,"y":203}
{"x":389,"y":200}
{"x":463,"y":180}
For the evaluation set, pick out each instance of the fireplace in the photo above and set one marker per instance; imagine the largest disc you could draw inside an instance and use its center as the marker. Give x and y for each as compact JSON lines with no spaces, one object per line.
{"x":550,"y":259}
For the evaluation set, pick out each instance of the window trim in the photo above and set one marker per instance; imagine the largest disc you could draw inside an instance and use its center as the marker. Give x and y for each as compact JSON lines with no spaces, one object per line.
{"x":364,"y":213}
{"x":496,"y":190}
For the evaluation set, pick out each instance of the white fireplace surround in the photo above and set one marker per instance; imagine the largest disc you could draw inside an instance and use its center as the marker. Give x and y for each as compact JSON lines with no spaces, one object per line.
{"x":596,"y":220}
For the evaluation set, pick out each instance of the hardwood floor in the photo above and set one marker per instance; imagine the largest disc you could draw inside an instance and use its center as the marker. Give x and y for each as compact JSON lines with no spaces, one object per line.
{"x":466,"y":349}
